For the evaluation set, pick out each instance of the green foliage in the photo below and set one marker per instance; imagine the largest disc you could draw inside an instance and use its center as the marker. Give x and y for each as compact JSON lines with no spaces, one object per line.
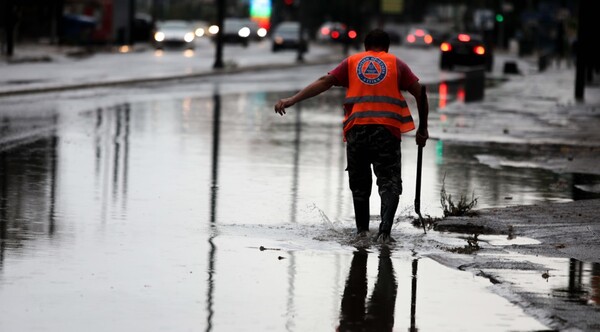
{"x":450,"y":208}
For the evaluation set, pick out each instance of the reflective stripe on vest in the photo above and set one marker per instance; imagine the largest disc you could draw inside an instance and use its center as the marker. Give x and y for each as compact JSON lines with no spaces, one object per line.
{"x":376,"y":99}
{"x":374,"y":94}
{"x":378,"y":114}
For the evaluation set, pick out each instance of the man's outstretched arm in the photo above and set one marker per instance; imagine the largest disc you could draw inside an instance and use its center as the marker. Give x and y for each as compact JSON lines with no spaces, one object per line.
{"x":322,"y":84}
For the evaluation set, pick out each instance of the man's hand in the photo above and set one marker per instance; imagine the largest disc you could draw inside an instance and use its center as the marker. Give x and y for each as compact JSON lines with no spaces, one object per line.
{"x":281,"y":105}
{"x":322,"y":84}
{"x":421,"y":137}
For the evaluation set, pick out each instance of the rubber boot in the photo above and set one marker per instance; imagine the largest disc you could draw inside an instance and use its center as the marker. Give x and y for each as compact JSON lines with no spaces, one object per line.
{"x":362,"y":215}
{"x":389,"y":205}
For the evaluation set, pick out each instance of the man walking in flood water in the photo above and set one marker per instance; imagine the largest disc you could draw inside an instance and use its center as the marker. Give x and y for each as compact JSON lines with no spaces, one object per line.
{"x":375,"y":116}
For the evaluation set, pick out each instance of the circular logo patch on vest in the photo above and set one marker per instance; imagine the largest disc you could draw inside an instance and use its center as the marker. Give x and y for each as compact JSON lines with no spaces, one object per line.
{"x":371,"y":70}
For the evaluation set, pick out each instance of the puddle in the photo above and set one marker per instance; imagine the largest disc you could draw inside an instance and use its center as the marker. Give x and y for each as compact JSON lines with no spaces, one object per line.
{"x":440,"y":298}
{"x":502,"y":240}
{"x":542,"y":278}
{"x":492,"y":240}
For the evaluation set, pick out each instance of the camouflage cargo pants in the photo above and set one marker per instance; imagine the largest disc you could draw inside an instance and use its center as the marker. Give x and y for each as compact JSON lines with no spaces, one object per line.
{"x":374,"y":145}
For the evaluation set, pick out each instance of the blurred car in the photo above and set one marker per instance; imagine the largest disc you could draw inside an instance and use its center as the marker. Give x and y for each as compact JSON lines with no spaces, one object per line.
{"x":143,"y":28}
{"x":325,"y":30}
{"x":200,"y":28}
{"x":286,"y":35}
{"x":256,"y":31}
{"x":174,"y":33}
{"x":419,"y":37}
{"x":236,"y":31}
{"x":336,"y":32}
{"x":465,"y":49}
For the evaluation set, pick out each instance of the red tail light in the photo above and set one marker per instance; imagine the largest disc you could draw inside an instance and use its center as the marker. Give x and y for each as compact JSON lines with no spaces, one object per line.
{"x":335,"y":35}
{"x":428,"y":39}
{"x":325,"y":31}
{"x":410,"y":38}
{"x":463,"y":37}
{"x":479,"y":50}
{"x":352,"y":34}
{"x":445,"y":47}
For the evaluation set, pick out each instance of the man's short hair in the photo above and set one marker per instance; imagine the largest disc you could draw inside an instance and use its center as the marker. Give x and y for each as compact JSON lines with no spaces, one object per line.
{"x":377,"y":39}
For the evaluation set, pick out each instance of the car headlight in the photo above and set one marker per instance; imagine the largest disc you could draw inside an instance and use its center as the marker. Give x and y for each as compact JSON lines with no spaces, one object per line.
{"x":159,"y":36}
{"x":199,"y":32}
{"x":189,"y":37}
{"x":244,"y":32}
{"x":213,"y":29}
{"x":262,"y":32}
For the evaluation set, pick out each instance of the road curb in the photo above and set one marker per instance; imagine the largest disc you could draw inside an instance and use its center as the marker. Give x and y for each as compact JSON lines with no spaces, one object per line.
{"x":214,"y":72}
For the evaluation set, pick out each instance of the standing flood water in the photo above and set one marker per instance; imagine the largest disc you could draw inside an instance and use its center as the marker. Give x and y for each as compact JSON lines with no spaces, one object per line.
{"x":128,"y":211}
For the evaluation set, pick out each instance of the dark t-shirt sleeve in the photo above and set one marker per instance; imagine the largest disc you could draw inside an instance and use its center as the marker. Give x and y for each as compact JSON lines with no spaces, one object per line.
{"x":341,"y":74}
{"x":406,"y":77}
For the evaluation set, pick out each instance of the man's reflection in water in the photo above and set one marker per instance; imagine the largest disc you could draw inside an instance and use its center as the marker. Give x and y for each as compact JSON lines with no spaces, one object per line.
{"x":378,"y":314}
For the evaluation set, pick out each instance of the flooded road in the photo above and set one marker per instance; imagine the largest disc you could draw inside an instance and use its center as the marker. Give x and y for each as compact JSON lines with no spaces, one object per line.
{"x":194,"y":207}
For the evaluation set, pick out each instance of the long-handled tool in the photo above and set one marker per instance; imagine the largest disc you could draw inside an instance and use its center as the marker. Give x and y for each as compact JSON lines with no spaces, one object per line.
{"x":419,"y":166}
{"x":418,"y":190}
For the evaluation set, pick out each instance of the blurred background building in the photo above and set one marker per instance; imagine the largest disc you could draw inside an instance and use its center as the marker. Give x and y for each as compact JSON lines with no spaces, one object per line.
{"x":114,"y":21}
{"x":528,"y":26}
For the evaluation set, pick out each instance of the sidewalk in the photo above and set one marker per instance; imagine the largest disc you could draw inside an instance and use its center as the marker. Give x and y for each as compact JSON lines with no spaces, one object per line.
{"x":44,"y":68}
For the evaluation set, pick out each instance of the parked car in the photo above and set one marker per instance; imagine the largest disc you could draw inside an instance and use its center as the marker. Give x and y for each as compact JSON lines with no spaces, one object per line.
{"x":465,"y":49}
{"x":77,"y":28}
{"x":143,"y":28}
{"x":174,"y":33}
{"x":286,"y":35}
{"x":419,"y":37}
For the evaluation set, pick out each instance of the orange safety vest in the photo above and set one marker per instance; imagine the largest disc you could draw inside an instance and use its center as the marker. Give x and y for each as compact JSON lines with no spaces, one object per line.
{"x":374,"y":94}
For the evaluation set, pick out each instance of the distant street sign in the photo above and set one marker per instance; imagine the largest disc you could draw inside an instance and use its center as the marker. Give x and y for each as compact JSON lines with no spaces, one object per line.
{"x":392,"y":6}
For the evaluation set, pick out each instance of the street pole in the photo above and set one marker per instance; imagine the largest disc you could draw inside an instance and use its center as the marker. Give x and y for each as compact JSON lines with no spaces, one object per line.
{"x":581,"y":50}
{"x":9,"y":27}
{"x":57,"y":26}
{"x":300,"y":53}
{"x":219,"y":41}
{"x":131,"y":19}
